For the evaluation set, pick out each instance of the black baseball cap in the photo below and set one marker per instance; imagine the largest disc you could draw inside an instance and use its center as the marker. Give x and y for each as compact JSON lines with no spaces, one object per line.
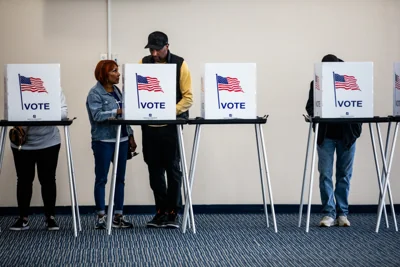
{"x":157,"y":40}
{"x":330,"y":58}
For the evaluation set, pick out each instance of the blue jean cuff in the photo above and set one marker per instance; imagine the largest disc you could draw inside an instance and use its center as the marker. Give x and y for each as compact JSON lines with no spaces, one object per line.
{"x":119,"y":212}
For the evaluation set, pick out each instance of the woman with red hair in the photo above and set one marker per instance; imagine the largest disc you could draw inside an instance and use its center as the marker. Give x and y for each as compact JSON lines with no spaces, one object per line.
{"x":104,"y":102}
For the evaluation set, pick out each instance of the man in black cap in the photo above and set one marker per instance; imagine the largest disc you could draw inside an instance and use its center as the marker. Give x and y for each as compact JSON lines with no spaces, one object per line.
{"x":342,"y":138}
{"x":160,"y":143}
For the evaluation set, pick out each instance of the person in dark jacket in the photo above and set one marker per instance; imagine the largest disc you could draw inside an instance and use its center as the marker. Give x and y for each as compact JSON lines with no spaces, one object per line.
{"x":160,"y":142}
{"x":342,"y":138}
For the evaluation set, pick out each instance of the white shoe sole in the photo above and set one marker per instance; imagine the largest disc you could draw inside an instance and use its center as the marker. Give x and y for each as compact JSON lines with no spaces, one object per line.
{"x":326,"y":224}
{"x":155,"y":225}
{"x":19,"y":229}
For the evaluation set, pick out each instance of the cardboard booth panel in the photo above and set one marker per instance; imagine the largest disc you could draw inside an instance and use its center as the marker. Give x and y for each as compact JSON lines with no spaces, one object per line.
{"x":343,"y":90}
{"x":32,"y":92}
{"x":229,"y":91}
{"x":149,"y":91}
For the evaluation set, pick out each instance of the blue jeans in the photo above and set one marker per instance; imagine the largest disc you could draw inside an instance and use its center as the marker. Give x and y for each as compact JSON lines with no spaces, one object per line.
{"x":103,"y":156}
{"x":344,"y":170}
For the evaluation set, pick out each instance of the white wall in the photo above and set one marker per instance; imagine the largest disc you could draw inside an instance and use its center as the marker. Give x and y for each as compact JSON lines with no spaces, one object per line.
{"x":283,"y":37}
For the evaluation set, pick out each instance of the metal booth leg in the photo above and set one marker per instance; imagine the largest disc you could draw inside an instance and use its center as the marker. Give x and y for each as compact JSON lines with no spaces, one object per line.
{"x":71,"y":187}
{"x":2,"y":144}
{"x":192,"y":168}
{"x":385,"y":172}
{"x":378,"y":173}
{"x":312,"y":176}
{"x":74,"y":180}
{"x":267,"y":176}
{"x":184,"y":193}
{"x":386,"y":180}
{"x":305,"y":173}
{"x":113,"y":181}
{"x":261,"y":173}
{"x":184,"y":172}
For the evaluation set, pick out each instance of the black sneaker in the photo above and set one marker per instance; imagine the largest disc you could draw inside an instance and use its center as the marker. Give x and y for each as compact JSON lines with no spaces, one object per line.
{"x":172,"y":220}
{"x":101,"y":222}
{"x":158,"y":220}
{"x":20,"y":225}
{"x":52,"y":224}
{"x":120,"y":222}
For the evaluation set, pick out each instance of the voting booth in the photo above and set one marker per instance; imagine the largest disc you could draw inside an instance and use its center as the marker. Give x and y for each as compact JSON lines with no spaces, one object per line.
{"x":149,"y":91}
{"x":150,"y":98}
{"x":343,"y":93}
{"x":343,"y":90}
{"x":228,"y":91}
{"x":228,"y":97}
{"x":32,"y":92}
{"x":33,"y":99}
{"x":396,"y":89}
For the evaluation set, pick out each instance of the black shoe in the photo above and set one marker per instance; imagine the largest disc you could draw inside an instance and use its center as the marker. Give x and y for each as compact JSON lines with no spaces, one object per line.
{"x":101,"y":222}
{"x":120,"y":222}
{"x":52,"y":224}
{"x":158,"y":220}
{"x":172,"y":220}
{"x":20,"y":225}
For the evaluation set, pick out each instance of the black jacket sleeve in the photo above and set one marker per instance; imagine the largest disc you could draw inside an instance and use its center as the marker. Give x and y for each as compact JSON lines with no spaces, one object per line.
{"x":310,"y":101}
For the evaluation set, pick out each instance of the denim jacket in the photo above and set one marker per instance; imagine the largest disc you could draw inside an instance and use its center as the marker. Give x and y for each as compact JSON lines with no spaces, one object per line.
{"x":101,"y":107}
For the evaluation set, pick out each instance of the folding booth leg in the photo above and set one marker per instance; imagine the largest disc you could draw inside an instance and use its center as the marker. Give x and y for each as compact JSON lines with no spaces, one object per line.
{"x":305,"y":173}
{"x":377,"y":168}
{"x":74,"y":180}
{"x":192,"y":169}
{"x":185,"y":174}
{"x":312,"y":176}
{"x":386,"y":180}
{"x":385,"y":172}
{"x":113,"y":181}
{"x":261,"y":173}
{"x":70,"y":180}
{"x":268,"y":177}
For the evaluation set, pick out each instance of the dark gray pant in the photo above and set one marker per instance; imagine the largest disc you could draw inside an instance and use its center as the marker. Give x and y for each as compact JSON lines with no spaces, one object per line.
{"x":161,"y":154}
{"x":46,"y":160}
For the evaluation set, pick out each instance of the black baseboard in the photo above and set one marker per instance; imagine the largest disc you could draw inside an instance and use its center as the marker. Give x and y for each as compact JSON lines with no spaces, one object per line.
{"x":210,"y":209}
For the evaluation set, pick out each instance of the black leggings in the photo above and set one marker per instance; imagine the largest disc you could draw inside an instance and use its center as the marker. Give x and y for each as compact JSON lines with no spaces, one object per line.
{"x":46,"y":160}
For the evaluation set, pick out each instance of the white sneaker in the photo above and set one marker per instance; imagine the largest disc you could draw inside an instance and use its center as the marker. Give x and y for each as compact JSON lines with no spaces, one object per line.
{"x":342,"y":221}
{"x":327,"y":221}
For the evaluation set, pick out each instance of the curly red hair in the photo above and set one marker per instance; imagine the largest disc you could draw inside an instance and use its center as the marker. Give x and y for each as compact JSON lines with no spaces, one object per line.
{"x":102,"y":70}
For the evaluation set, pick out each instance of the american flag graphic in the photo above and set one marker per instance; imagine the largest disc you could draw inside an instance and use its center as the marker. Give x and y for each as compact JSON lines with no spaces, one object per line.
{"x":396,"y":81}
{"x":229,"y":84}
{"x":317,"y":83}
{"x":346,"y":82}
{"x":150,"y":84}
{"x":31,"y":84}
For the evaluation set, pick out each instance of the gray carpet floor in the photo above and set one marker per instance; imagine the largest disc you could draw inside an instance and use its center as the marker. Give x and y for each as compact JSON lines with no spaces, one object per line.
{"x":221,"y":240}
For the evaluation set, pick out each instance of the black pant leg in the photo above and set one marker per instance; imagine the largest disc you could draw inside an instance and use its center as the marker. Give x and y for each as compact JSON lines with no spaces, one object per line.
{"x":24,"y":161}
{"x":47,"y":165}
{"x":171,"y":159}
{"x":159,"y":187}
{"x":152,"y":154}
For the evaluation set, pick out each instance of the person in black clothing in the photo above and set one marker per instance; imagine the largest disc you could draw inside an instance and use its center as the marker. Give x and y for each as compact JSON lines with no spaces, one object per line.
{"x":160,"y":142}
{"x":342,"y":138}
